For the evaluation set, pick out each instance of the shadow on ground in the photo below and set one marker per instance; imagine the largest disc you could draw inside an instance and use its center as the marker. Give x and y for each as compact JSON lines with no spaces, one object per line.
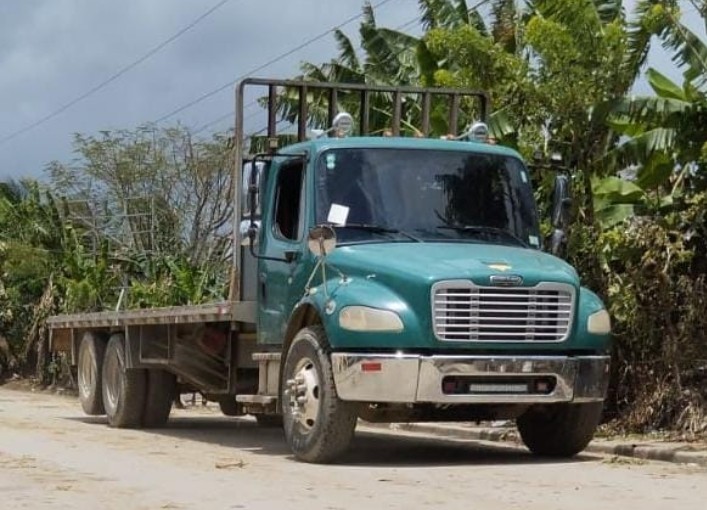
{"x":370,"y":448}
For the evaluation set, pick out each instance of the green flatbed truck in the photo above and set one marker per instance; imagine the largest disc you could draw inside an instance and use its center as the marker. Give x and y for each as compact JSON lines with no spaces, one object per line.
{"x":382,"y":278}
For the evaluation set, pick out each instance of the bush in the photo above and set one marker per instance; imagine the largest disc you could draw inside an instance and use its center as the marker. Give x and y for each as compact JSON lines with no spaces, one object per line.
{"x":651,"y":272}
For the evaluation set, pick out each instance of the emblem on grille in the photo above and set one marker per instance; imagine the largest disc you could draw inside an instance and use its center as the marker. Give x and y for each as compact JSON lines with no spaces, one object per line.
{"x":506,"y":280}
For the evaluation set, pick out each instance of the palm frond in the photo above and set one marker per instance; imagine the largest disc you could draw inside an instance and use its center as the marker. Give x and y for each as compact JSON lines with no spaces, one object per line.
{"x":641,"y":148}
{"x":689,"y":50}
{"x":347,"y":50}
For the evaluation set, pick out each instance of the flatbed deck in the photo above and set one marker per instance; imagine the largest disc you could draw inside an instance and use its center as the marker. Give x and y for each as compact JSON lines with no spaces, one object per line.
{"x":225,"y":311}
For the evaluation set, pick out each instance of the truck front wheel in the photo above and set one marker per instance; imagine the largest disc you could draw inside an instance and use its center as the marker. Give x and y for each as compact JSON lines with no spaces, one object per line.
{"x":124,"y":390}
{"x":318,"y":425}
{"x":559,"y":430}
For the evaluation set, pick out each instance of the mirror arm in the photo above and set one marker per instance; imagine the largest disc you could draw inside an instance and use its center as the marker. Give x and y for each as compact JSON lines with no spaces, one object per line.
{"x":263,"y":257}
{"x":557,"y":241}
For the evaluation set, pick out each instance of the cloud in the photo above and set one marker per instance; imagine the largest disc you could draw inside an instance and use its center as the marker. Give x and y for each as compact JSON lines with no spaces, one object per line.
{"x":53,"y":50}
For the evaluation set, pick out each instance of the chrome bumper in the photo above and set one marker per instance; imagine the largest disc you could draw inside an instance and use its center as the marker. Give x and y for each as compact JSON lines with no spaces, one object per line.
{"x":411,"y":378}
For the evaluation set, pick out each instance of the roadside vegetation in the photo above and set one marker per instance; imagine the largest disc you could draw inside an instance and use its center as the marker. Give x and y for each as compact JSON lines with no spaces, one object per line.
{"x":147,"y":211}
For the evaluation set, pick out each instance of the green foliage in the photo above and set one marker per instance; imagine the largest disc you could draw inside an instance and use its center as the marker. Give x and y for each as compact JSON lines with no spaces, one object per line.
{"x":615,"y":200}
{"x":655,"y":280}
{"x":172,"y":280}
{"x":147,"y":212}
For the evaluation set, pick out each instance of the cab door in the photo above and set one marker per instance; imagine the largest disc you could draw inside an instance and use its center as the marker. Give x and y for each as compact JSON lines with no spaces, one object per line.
{"x":282,"y":268}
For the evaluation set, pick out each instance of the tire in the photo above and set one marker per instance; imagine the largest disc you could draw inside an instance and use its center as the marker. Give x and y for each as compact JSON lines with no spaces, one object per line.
{"x":229,"y":406}
{"x":124,"y":391}
{"x":161,"y":388}
{"x":323,"y":428}
{"x":89,"y":374}
{"x":559,"y":430}
{"x":268,"y":421}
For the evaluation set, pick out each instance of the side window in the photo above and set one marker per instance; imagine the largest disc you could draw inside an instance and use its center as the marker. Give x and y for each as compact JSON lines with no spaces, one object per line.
{"x":288,"y":197}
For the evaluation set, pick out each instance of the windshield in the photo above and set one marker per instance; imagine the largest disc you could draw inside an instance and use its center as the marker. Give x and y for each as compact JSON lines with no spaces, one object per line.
{"x":421,"y":195}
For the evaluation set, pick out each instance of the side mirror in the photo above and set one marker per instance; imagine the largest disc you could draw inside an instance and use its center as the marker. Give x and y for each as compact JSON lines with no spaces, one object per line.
{"x":321,"y":240}
{"x":250,"y":194}
{"x":561,"y":203}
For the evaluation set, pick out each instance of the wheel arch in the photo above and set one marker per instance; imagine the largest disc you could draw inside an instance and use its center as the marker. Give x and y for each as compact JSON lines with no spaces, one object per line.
{"x":305,"y":314}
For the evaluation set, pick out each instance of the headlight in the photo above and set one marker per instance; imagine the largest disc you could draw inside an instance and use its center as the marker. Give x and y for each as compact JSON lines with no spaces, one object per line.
{"x":363,"y":318}
{"x":599,"y":323}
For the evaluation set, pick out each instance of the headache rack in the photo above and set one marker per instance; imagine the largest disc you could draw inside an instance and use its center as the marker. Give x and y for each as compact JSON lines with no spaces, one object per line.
{"x":302,"y":94}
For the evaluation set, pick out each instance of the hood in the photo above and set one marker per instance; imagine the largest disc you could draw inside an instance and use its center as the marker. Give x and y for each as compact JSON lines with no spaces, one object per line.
{"x":430,"y":262}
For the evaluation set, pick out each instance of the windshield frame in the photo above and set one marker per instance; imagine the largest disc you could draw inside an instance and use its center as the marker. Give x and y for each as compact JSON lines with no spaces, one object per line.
{"x":525,"y":212}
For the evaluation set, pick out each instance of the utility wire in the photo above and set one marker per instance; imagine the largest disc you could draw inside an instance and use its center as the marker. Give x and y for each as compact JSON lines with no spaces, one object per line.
{"x":228,"y":115}
{"x":116,"y":75}
{"x":320,"y":36}
{"x":266,"y":64}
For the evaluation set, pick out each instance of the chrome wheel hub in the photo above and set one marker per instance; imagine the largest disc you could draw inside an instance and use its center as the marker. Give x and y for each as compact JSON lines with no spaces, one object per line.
{"x":303,"y":394}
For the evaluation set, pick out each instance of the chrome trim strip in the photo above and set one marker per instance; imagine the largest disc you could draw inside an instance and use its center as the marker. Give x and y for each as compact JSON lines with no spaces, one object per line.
{"x":416,"y":379}
{"x":520,"y":302}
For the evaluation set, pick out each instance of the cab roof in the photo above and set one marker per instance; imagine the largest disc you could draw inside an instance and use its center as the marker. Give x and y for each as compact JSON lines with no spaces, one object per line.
{"x":318,"y":145}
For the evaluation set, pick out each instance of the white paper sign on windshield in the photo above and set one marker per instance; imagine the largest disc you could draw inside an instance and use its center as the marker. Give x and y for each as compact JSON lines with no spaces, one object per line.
{"x":338,"y":214}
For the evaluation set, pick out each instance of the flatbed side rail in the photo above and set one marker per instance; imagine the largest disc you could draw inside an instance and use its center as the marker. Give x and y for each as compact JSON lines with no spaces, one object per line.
{"x":226,"y":311}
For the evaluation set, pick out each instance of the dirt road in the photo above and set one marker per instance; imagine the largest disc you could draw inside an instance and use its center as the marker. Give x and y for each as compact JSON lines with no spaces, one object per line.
{"x":51,"y":456}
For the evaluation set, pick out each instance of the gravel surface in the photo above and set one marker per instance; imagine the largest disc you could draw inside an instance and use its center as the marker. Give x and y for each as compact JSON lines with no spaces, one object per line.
{"x":51,"y":456}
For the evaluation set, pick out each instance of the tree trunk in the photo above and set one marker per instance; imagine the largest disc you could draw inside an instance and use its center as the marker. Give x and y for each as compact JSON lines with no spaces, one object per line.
{"x":36,"y":349}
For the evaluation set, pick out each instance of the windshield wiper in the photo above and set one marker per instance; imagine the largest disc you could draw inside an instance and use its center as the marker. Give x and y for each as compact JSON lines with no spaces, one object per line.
{"x":379,"y":229}
{"x":484,"y":229}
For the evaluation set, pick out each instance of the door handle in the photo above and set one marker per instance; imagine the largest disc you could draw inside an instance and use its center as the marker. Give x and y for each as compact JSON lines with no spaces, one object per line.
{"x":292,"y":256}
{"x":263,"y":288}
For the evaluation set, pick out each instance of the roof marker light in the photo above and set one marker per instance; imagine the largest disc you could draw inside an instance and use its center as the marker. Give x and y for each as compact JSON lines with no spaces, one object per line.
{"x":479,"y":132}
{"x":342,"y":124}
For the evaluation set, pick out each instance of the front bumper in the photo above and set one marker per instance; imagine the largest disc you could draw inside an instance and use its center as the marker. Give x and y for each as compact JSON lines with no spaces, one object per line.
{"x":404,"y":378}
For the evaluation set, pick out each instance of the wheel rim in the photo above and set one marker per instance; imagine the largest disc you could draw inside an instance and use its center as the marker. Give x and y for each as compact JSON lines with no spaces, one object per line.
{"x":112,"y":379}
{"x":304,"y":393}
{"x":87,"y":375}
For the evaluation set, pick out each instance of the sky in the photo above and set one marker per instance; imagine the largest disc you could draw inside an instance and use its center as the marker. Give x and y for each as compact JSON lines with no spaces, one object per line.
{"x":53,"y":51}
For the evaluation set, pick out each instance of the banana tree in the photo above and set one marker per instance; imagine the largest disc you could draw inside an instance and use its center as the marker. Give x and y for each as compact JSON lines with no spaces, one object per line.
{"x":665,"y":135}
{"x":386,"y":57}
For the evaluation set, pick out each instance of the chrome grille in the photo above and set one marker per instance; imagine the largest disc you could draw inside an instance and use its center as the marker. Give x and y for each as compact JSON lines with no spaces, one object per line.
{"x":463,"y":311}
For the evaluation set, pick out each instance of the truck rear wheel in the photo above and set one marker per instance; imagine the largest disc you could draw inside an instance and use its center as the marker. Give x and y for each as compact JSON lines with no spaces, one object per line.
{"x":161,"y":388}
{"x":89,"y":373}
{"x":318,"y":425}
{"x":559,"y":430}
{"x":124,"y":390}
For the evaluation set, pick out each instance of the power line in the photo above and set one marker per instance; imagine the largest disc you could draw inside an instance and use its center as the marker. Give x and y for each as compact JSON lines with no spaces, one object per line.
{"x":266,"y":64}
{"x":399,"y":28}
{"x":116,"y":75}
{"x":228,"y":115}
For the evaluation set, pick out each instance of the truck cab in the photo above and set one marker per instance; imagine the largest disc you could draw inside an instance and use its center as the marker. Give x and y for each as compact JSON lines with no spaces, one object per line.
{"x":433,"y":301}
